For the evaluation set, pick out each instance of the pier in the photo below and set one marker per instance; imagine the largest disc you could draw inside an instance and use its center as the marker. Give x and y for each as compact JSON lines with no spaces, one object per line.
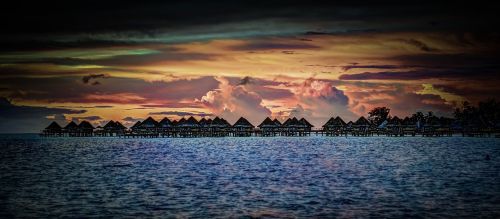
{"x":219,"y":127}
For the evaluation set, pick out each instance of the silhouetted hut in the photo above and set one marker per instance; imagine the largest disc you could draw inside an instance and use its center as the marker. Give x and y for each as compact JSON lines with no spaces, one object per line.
{"x":242,"y":128}
{"x":53,"y":129}
{"x":395,"y":126}
{"x":150,"y":127}
{"x":71,"y":129}
{"x":334,"y":126}
{"x":362,"y":127}
{"x":307,"y":126}
{"x":189,"y":127}
{"x":135,"y":127}
{"x":219,"y":127}
{"x":277,"y":123}
{"x":410,"y":126}
{"x":431,"y":126}
{"x":204,"y":125}
{"x":165,"y":127}
{"x":85,"y":129}
{"x":269,"y":127}
{"x":292,"y":127}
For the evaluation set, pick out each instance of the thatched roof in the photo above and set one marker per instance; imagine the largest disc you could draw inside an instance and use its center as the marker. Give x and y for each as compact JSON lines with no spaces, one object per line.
{"x":118,"y":125}
{"x":217,"y":122}
{"x":71,"y":126}
{"x":306,"y":123}
{"x":244,"y":123}
{"x":329,"y":122}
{"x":110,"y":125}
{"x":277,"y":122}
{"x":267,"y":123}
{"x":225,"y":122}
{"x":408,"y":121}
{"x":335,"y":122}
{"x":293,"y":122}
{"x":395,"y":121}
{"x":150,"y":123}
{"x":136,"y":125}
{"x":181,"y":122}
{"x":165,"y":123}
{"x":53,"y":127}
{"x":349,"y":124}
{"x":362,"y":121}
{"x":191,"y":122}
{"x":85,"y":125}
{"x":203,"y":122}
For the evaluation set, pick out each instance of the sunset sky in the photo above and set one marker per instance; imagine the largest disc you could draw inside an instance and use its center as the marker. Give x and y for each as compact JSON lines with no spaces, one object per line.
{"x":128,"y":60}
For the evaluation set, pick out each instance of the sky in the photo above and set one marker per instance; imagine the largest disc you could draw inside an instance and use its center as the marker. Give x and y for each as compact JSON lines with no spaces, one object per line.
{"x":127,"y":60}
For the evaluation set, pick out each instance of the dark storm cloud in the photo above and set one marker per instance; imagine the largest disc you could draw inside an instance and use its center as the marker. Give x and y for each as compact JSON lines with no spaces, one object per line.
{"x":70,"y":89}
{"x":259,"y":45}
{"x":349,"y":67}
{"x":26,"y":118}
{"x":86,"y":79}
{"x":420,"y":45}
{"x":451,"y":74}
{"x":89,"y":118}
{"x":24,"y":21}
{"x":117,"y":60}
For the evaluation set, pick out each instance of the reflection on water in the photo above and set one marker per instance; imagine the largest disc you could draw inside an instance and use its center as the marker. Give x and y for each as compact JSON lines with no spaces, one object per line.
{"x":257,"y":177}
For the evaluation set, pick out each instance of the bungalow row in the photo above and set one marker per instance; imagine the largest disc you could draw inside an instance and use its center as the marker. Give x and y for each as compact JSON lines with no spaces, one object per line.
{"x":219,"y":127}
{"x":84,"y":129}
{"x":391,"y":127}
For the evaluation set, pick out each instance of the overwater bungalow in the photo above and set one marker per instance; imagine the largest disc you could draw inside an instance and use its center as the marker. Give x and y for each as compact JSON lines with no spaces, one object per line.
{"x":147,"y":128}
{"x":334,"y":127}
{"x":242,"y":128}
{"x":136,"y":126}
{"x":113,"y":128}
{"x":71,"y":129}
{"x":219,"y":127}
{"x":188,"y":127}
{"x":269,"y":127}
{"x":85,"y":129}
{"x":362,"y":127}
{"x":306,"y":126}
{"x":204,"y":127}
{"x":410,"y":126}
{"x":165,"y":127}
{"x":295,"y":127}
{"x":394,"y":127}
{"x":54,"y":129}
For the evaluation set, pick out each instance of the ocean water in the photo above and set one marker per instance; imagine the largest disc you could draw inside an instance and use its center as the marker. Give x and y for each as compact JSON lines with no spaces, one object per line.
{"x":283,"y":177}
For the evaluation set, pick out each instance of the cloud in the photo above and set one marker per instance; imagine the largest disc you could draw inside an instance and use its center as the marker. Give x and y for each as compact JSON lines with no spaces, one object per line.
{"x":88,"y":118}
{"x":246,"y":80}
{"x":264,"y":45}
{"x":27,"y":119}
{"x":181,"y":113}
{"x":454,"y":74}
{"x":319,"y":100}
{"x":231,"y":102}
{"x":131,"y":119}
{"x":401,"y":99}
{"x":420,"y":45}
{"x":86,"y":79}
{"x":116,"y":90}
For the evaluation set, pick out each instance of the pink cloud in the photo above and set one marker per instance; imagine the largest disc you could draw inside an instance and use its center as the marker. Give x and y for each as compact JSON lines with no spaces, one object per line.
{"x":233,"y":101}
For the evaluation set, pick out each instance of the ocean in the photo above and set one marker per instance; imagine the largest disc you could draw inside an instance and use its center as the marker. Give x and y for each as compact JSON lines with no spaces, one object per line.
{"x":274,"y":177}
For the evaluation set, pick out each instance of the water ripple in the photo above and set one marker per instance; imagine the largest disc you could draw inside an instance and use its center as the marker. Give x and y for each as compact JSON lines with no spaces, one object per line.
{"x":282,"y":177}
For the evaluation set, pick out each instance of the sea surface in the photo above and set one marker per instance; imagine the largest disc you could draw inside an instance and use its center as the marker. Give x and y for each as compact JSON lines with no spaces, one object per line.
{"x":275,"y":177}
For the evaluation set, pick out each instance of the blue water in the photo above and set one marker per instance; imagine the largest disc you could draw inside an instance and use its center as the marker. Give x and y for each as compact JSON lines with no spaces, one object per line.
{"x":342,"y":177}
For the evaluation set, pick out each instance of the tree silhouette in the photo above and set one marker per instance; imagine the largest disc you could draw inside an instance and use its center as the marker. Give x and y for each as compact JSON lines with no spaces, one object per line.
{"x":378,"y":115}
